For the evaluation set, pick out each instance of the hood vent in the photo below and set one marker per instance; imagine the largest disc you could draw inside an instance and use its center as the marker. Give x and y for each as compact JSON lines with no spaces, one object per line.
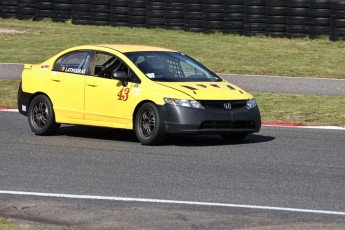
{"x":214,"y":85}
{"x":201,"y":85}
{"x":189,"y":87}
{"x":230,"y":87}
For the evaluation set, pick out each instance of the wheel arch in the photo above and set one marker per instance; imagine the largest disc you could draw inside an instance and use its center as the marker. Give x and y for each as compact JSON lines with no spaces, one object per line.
{"x":39,"y":93}
{"x":137,"y":109}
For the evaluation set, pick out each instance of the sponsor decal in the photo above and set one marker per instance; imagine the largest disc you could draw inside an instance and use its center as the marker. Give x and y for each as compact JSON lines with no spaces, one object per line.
{"x":23,"y":108}
{"x":73,"y":70}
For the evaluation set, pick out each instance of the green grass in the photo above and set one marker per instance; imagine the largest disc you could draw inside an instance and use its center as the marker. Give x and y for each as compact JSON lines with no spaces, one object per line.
{"x":277,"y":108}
{"x":8,"y":93}
{"x":301,"y":109}
{"x":5,"y":224}
{"x":222,"y":53}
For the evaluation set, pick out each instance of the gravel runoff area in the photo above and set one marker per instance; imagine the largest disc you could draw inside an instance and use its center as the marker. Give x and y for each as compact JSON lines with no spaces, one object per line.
{"x":11,"y":31}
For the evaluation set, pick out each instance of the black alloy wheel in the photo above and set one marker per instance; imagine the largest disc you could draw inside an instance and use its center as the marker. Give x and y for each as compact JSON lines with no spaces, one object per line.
{"x":149,"y":127}
{"x":41,"y":116}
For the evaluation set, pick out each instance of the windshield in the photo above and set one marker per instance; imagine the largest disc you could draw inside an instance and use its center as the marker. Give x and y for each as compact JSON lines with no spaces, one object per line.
{"x":171,"y":67}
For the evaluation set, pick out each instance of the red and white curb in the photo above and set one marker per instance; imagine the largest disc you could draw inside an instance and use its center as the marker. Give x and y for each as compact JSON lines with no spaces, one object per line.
{"x":5,"y":109}
{"x":287,"y":125}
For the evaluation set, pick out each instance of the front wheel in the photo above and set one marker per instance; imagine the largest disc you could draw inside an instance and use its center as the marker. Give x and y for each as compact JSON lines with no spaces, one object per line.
{"x":149,"y":125}
{"x":41,"y":116}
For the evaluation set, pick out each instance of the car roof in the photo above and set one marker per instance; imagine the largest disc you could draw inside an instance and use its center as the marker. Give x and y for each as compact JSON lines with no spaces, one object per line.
{"x":133,"y":48}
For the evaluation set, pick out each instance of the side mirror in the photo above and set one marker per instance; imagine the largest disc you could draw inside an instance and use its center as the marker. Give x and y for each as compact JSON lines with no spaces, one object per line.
{"x":120,"y":75}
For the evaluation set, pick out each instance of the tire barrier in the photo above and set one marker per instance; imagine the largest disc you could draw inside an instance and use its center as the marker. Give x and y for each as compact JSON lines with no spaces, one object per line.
{"x":119,"y":13}
{"x":233,"y":16}
{"x":337,"y":28}
{"x":275,"y":18}
{"x":62,"y":10}
{"x":9,"y":8}
{"x":254,"y":17}
{"x":193,"y":15}
{"x":298,"y":18}
{"x":319,"y":18}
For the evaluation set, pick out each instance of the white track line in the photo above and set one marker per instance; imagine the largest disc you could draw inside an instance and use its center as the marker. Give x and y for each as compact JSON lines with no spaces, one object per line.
{"x":128,"y":199}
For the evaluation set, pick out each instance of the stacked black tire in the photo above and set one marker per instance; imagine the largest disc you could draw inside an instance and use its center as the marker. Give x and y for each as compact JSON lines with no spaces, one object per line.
{"x":119,"y":11}
{"x":213,"y":16}
{"x":100,"y":13}
{"x":174,"y":14}
{"x":254,"y":17}
{"x":337,"y":20}
{"x":298,"y":18}
{"x":9,"y":8}
{"x":319,"y":18}
{"x":62,"y":10}
{"x":233,"y":16}
{"x":27,"y":9}
{"x":193,"y":15}
{"x":137,"y":13}
{"x":81,"y":12}
{"x":45,"y":10}
{"x":155,"y":14}
{"x":276,"y":17}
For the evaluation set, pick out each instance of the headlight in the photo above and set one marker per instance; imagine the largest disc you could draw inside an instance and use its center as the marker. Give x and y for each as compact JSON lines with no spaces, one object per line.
{"x":184,"y":103}
{"x":251,"y":104}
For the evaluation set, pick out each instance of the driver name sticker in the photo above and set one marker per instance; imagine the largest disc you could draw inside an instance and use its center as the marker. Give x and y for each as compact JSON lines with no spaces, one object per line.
{"x":73,"y":70}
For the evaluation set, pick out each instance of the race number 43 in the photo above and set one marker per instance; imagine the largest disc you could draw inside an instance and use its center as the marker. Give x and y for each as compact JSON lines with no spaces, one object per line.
{"x":123,"y":94}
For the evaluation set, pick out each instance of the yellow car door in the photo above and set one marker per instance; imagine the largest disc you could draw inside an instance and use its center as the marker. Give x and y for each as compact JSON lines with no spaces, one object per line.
{"x":66,"y":85}
{"x":107,"y":101}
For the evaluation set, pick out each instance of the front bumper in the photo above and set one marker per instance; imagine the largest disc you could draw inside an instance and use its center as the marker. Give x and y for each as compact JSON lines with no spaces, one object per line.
{"x":184,"y":120}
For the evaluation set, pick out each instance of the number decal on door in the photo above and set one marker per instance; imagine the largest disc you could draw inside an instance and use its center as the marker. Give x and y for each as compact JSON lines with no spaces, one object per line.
{"x":123,"y":94}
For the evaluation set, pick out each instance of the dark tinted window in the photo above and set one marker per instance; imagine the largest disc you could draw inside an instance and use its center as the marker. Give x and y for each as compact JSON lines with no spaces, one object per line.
{"x":171,"y":66}
{"x":75,"y":62}
{"x":106,"y":64}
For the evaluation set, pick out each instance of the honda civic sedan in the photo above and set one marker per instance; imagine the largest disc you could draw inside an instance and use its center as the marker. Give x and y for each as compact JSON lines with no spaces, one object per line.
{"x":153,"y":91}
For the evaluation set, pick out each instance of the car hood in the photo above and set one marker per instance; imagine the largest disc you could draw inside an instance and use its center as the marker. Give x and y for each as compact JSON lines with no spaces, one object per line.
{"x":209,"y":90}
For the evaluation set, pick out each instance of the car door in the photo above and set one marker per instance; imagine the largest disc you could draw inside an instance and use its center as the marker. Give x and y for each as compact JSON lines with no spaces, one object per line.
{"x":108,"y":102}
{"x":67,"y":82}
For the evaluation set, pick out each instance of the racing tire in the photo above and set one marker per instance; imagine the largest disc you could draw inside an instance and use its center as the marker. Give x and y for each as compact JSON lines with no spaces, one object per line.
{"x":41,"y":116}
{"x":149,"y":125}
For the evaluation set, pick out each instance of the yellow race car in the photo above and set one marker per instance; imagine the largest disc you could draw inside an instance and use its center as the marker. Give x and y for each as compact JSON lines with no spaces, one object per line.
{"x":155,"y":91}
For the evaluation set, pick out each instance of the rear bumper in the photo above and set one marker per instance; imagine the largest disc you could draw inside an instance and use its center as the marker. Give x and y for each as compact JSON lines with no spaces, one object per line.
{"x":182,"y":120}
{"x":23,"y":101}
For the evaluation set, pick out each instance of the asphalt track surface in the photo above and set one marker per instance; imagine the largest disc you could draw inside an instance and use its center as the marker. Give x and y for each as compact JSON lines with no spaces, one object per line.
{"x":300,"y":169}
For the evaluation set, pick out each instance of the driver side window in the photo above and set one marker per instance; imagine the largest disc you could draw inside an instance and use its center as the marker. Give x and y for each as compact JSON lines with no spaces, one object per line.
{"x":106,"y":63}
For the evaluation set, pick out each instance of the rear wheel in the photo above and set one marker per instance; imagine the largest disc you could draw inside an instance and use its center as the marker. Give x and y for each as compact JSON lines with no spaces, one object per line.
{"x":149,"y":127}
{"x":41,"y":116}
